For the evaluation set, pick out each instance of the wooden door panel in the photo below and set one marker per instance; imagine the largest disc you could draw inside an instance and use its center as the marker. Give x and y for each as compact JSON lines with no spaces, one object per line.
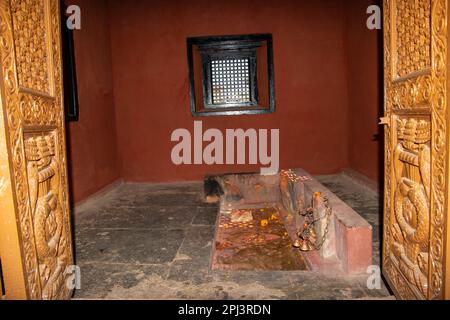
{"x":415,"y":147}
{"x":32,"y":104}
{"x":408,"y":246}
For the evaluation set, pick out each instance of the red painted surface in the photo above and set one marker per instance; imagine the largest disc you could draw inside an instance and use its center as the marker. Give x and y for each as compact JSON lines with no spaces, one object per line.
{"x":364,"y":90}
{"x":359,"y":250}
{"x":354,"y":246}
{"x":92,"y":141}
{"x":148,"y":40}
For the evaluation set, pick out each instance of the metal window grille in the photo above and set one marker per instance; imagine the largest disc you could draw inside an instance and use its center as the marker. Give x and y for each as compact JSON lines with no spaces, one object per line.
{"x":230,"y":81}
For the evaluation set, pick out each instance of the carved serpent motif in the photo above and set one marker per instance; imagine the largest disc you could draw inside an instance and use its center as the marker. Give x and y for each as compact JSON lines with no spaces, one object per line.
{"x":411,"y":204}
{"x":415,"y":193}
{"x":48,"y":246}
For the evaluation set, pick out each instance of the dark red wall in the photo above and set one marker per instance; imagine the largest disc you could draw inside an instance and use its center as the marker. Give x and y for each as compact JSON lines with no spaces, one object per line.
{"x":364,"y":84}
{"x":92,"y":140}
{"x":133,"y":86}
{"x":151,"y":95}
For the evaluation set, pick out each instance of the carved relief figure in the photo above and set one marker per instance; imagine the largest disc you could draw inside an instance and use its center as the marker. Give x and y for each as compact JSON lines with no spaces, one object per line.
{"x":47,"y":214}
{"x":411,"y":201}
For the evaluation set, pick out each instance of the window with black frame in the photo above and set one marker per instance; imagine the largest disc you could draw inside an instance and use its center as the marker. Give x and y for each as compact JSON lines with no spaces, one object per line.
{"x":231,"y":75}
{"x":69,"y":69}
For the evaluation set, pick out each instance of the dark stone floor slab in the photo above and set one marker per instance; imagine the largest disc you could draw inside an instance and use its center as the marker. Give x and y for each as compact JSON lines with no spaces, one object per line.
{"x":277,"y":282}
{"x":128,"y":246}
{"x":168,"y":199}
{"x":197,"y":244}
{"x":328,"y":287}
{"x":192,"y":262}
{"x":206,"y":215}
{"x":177,"y":187}
{"x":99,"y":279}
{"x":188,"y":271}
{"x":144,"y":195}
{"x":151,"y":217}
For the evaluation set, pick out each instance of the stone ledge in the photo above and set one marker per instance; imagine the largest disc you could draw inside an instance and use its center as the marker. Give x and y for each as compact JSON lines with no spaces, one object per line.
{"x":352,"y":233}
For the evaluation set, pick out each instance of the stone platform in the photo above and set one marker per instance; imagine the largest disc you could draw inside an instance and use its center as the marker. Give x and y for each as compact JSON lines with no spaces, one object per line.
{"x":347,"y":248}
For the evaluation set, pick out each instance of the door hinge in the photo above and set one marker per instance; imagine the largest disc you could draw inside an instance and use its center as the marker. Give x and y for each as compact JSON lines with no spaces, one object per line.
{"x":385,"y":121}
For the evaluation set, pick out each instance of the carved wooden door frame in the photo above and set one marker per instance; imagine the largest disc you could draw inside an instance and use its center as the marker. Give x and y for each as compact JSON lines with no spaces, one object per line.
{"x":415,"y":238}
{"x":35,"y":233}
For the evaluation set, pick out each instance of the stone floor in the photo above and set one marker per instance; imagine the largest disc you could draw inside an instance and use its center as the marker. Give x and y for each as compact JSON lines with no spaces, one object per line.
{"x":154,"y":242}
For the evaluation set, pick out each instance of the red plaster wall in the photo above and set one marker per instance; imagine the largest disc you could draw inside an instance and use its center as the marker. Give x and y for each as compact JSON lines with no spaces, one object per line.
{"x":151,"y":95}
{"x":327,"y":74}
{"x":92,"y":141}
{"x":365,"y":90}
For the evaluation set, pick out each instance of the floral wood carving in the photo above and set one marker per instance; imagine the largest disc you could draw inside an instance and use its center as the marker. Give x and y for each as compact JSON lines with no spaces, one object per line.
{"x":412,"y":93}
{"x":31,"y":85}
{"x":413,"y":36}
{"x":415,"y":187}
{"x":32,"y":47}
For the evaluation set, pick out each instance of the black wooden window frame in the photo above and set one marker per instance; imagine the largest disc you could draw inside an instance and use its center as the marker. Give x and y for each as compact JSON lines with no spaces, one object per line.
{"x":230,"y":48}
{"x":71,"y":105}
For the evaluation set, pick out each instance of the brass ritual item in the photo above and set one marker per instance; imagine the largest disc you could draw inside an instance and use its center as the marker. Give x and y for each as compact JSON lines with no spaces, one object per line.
{"x":307,"y":235}
{"x":315,"y":219}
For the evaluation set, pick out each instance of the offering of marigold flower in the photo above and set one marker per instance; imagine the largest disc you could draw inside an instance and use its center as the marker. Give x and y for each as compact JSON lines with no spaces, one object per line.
{"x":264,"y":223}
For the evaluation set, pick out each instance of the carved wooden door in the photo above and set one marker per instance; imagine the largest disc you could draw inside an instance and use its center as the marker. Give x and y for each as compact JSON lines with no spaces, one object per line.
{"x":416,"y":148}
{"x":35,"y":235}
